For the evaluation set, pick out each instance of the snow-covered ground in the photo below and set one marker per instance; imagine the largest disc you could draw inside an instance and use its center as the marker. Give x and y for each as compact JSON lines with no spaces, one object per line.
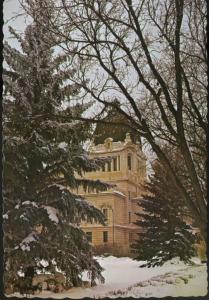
{"x":124,"y":278}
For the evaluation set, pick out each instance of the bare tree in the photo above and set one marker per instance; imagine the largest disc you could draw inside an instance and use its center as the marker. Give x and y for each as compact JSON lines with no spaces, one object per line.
{"x":151,"y":56}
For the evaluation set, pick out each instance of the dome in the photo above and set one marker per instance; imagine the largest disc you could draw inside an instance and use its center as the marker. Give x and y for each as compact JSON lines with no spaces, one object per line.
{"x":116,"y":132}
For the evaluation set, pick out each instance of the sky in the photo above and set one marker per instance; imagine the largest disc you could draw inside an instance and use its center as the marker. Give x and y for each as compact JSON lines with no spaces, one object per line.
{"x":12,"y":17}
{"x":11,"y":8}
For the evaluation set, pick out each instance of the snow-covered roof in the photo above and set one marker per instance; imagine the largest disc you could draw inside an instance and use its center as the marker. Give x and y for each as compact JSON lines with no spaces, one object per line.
{"x":119,"y":193}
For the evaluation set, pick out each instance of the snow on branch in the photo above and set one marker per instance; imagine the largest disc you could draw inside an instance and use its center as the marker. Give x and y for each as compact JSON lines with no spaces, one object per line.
{"x":52,"y":212}
{"x":24,"y":245}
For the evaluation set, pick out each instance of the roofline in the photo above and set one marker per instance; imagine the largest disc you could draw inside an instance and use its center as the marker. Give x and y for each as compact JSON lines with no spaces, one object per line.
{"x":104,"y":193}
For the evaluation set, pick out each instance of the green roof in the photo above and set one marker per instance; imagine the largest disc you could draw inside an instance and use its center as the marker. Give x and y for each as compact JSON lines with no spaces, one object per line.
{"x":116,"y":132}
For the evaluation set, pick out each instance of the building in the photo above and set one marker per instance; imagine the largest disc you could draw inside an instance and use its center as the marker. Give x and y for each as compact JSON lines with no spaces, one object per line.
{"x":127,"y":171}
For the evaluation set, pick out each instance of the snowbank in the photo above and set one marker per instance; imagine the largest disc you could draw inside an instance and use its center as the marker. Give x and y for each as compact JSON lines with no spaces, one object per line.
{"x":124,"y":278}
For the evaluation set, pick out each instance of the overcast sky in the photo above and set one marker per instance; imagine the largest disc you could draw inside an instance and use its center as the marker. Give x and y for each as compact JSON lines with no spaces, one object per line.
{"x":11,"y":9}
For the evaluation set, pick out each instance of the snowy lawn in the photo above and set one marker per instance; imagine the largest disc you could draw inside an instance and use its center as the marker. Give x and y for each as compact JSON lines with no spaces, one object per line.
{"x":124,"y":278}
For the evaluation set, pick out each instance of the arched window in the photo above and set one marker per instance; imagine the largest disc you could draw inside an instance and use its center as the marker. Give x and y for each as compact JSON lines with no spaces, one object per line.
{"x":129,"y":161}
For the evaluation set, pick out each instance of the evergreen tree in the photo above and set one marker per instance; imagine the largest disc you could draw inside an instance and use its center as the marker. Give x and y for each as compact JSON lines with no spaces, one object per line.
{"x":166,"y":225}
{"x":44,"y":162}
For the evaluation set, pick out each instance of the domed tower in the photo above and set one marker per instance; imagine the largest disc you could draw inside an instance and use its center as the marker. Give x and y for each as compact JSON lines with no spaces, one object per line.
{"x":127,"y":171}
{"x":118,"y":132}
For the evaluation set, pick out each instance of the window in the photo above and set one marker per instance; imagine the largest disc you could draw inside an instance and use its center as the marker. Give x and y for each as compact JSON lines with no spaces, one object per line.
{"x":89,"y":236}
{"x":105,"y":212}
{"x":131,"y":238}
{"x":118,"y":162}
{"x":114,"y":163}
{"x":129,"y":217}
{"x":105,"y":236}
{"x":109,"y":166}
{"x":129,"y":195}
{"x":103,"y":168}
{"x":129,"y":161}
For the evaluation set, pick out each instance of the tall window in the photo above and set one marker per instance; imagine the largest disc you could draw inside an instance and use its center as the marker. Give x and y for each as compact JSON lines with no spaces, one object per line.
{"x":89,"y":236}
{"x":103,"y":168}
{"x":109,"y":166}
{"x":105,"y":212}
{"x":130,"y":237}
{"x":129,"y":195}
{"x":114,"y":163}
{"x":129,"y":217}
{"x":105,"y":236}
{"x":118,"y":162}
{"x":129,"y":161}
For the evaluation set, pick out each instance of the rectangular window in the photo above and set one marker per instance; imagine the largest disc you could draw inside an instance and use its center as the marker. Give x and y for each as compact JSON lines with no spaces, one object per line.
{"x":105,"y":212}
{"x":114,"y":163}
{"x":109,"y":166}
{"x":118,"y":162}
{"x":129,"y":161}
{"x":105,"y":236}
{"x":89,"y":236}
{"x":129,"y":217}
{"x":103,"y":168}
{"x":129,"y":195}
{"x":130,"y":237}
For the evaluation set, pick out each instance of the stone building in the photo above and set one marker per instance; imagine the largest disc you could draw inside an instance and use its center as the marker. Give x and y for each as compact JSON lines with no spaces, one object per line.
{"x":127,"y":171}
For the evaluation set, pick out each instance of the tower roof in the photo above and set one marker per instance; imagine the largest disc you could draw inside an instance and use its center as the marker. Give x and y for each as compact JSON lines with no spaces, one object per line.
{"x":116,"y":132}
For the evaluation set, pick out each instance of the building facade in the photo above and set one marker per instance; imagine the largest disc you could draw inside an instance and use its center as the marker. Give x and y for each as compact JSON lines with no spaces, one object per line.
{"x":126,"y":170}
